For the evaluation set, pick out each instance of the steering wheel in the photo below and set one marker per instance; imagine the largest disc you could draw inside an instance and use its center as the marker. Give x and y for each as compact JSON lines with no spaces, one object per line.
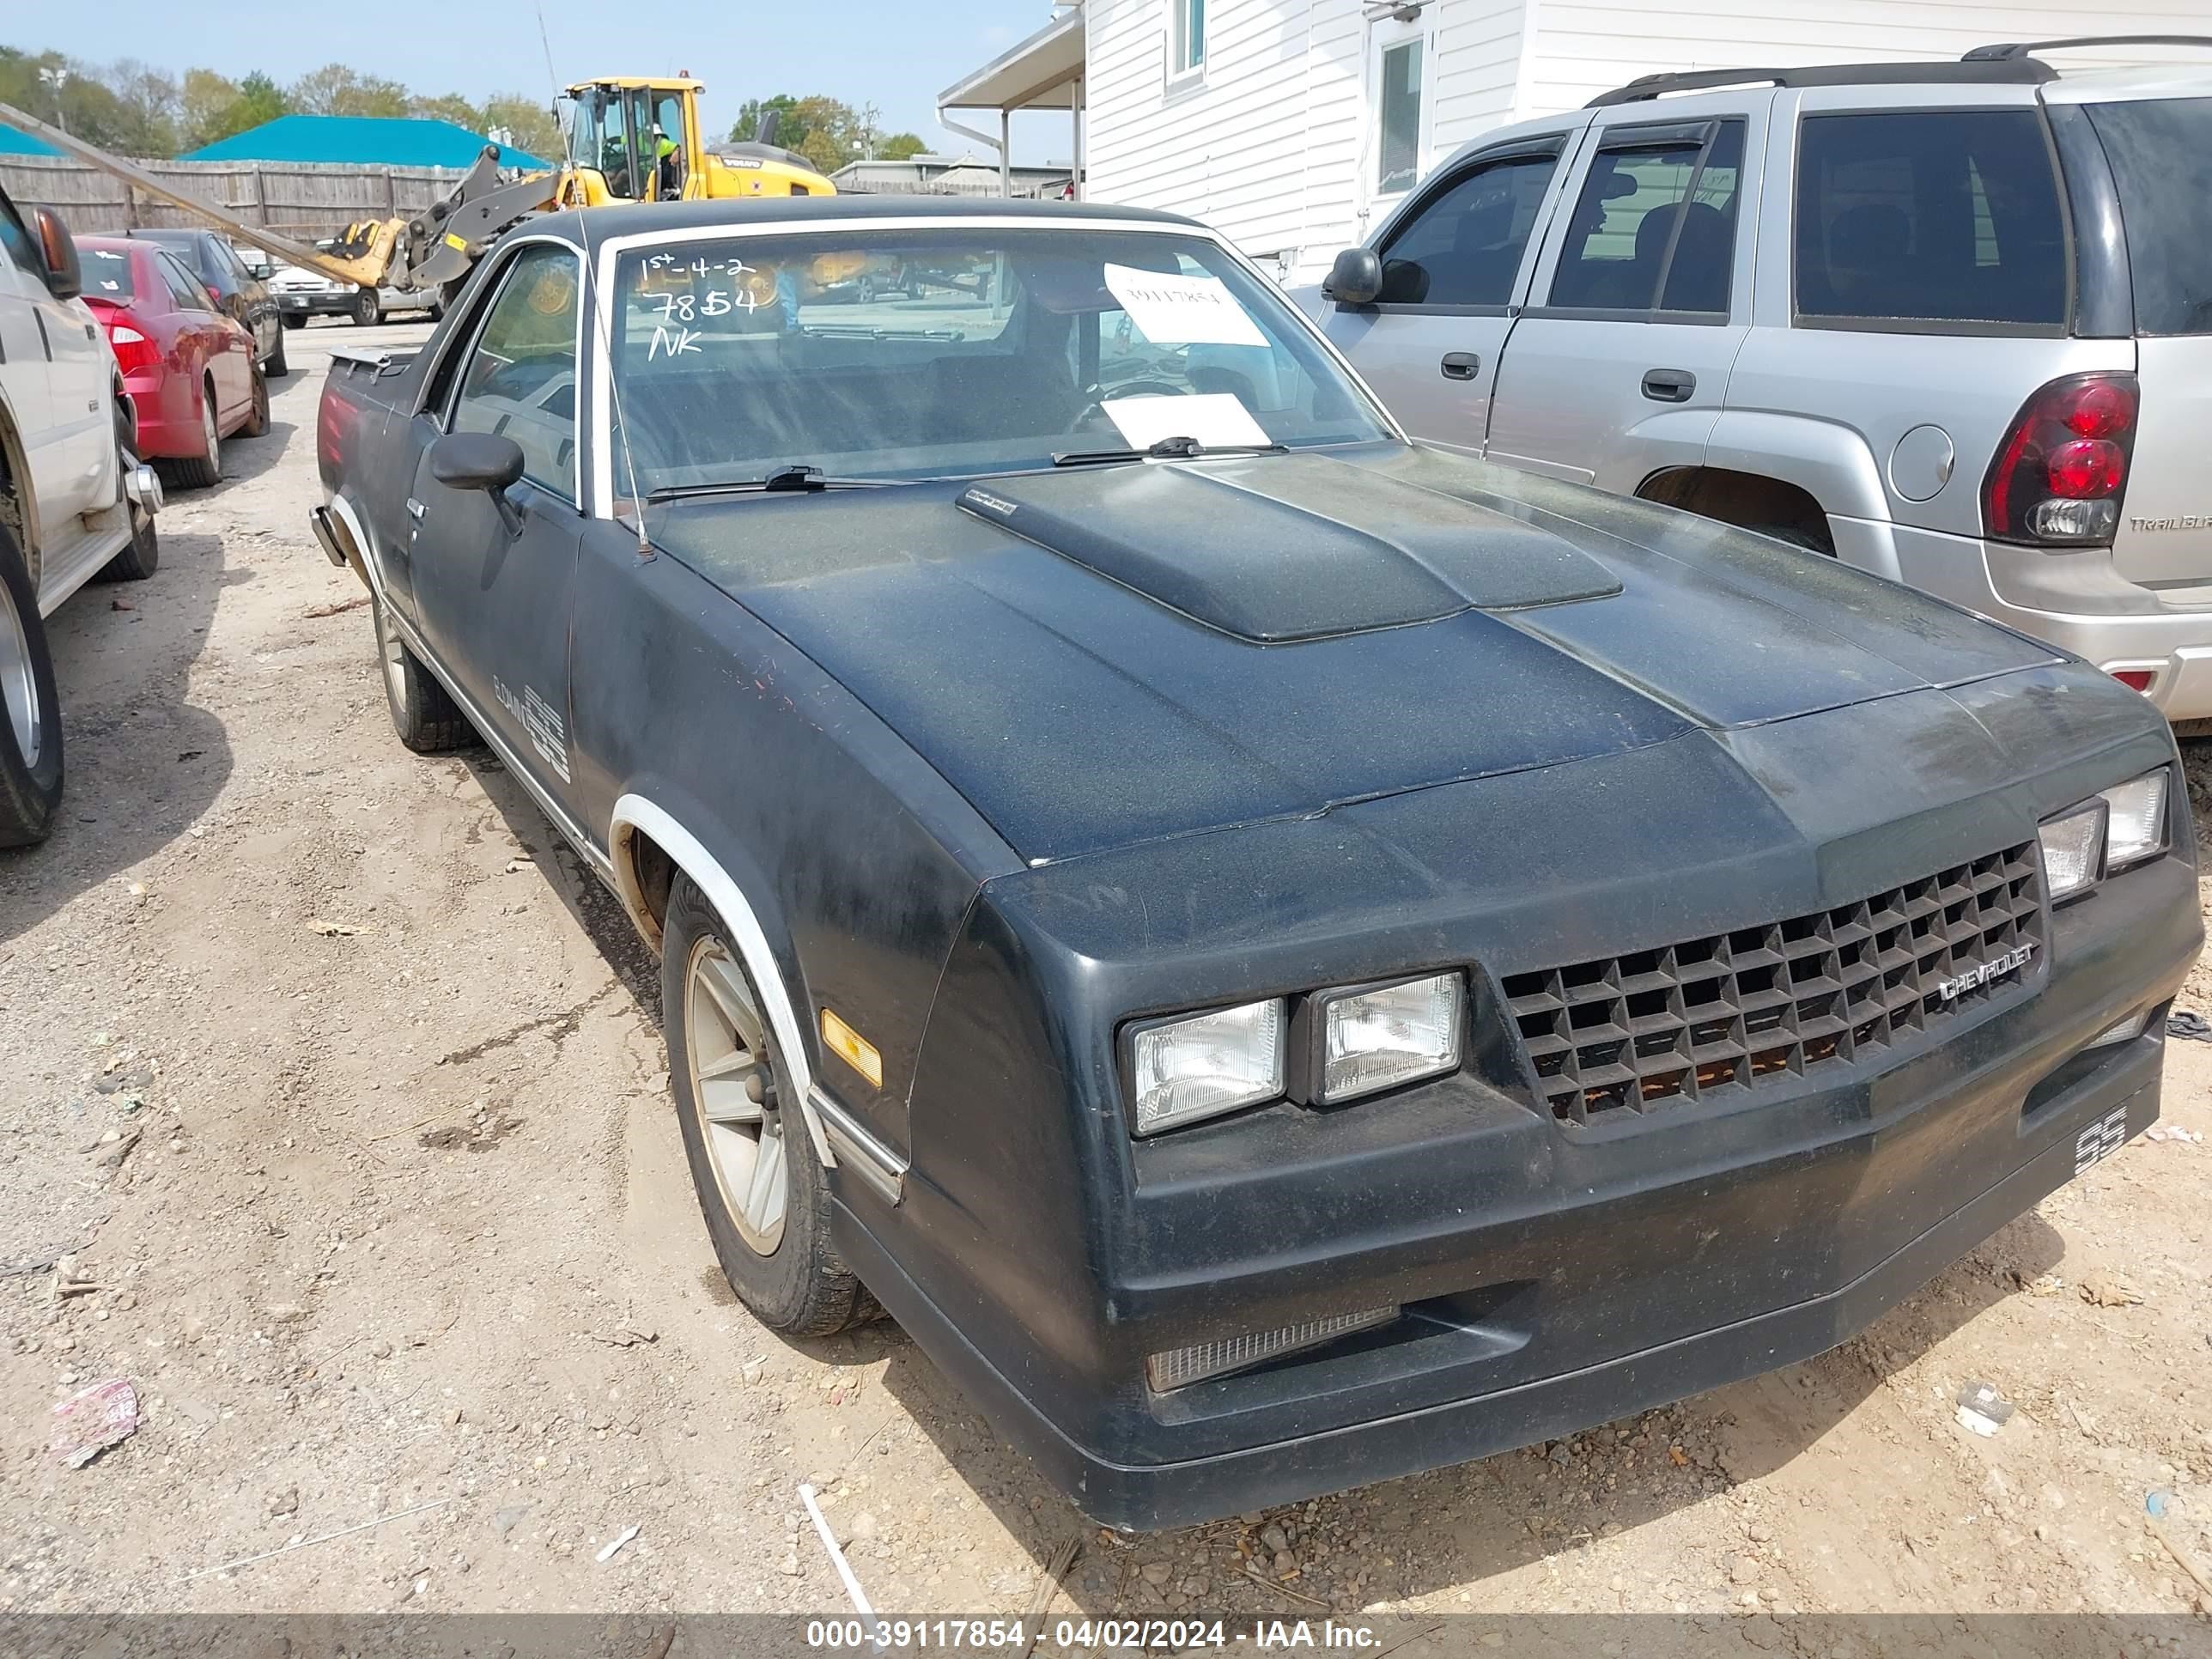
{"x":1094,"y":417}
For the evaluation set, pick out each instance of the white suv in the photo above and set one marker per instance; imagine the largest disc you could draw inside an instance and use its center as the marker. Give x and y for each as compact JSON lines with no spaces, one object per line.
{"x":75,"y":500}
{"x":1948,"y":322}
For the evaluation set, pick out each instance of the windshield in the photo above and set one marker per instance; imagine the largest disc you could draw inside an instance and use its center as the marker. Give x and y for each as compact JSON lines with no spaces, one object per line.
{"x":2161,"y":154}
{"x":878,"y":353}
{"x":106,"y":275}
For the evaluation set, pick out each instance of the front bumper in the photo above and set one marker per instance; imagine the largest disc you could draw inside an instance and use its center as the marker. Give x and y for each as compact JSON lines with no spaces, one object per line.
{"x":332,"y":304}
{"x":2076,"y":602}
{"x":1551,"y":1277}
{"x":1242,"y":1479}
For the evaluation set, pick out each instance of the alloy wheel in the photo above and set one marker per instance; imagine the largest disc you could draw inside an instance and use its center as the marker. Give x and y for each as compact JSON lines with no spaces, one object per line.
{"x":734,"y":1090}
{"x":18,"y":688}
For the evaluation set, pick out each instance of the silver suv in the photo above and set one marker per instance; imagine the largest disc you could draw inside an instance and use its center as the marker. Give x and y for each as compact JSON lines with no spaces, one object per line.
{"x":1948,"y":322}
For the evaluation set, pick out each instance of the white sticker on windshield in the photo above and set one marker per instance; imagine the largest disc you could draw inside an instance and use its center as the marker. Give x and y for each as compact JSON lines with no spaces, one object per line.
{"x":1212,"y":417}
{"x":1177,"y":310}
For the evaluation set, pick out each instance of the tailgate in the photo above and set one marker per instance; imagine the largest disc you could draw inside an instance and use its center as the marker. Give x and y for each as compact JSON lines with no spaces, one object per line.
{"x":2165,"y":539}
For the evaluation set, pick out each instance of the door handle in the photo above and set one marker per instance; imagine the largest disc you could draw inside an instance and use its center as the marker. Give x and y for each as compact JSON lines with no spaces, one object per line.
{"x":1460,"y":364}
{"x":1669,"y":385}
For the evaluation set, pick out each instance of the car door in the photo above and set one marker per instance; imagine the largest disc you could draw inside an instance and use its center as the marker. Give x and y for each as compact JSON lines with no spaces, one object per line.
{"x":1454,"y":268}
{"x":1619,"y":364}
{"x":492,"y":594}
{"x":26,"y":376}
{"x":215,"y":340}
{"x":60,"y":366}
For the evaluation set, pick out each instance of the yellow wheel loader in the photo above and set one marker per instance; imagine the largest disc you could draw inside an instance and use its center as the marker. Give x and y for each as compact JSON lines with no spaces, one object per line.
{"x":632,"y":138}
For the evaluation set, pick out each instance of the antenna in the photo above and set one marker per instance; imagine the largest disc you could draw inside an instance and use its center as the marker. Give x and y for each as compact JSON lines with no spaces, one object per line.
{"x":588,"y":295}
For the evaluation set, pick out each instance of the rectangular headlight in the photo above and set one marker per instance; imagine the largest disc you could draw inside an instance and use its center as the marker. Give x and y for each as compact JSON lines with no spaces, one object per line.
{"x":2136,"y":825}
{"x":1369,"y":1037}
{"x":2072,"y":848}
{"x":1187,"y":1069}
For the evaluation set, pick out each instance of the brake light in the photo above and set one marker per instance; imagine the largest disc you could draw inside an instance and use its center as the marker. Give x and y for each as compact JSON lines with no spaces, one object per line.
{"x":133,"y":350}
{"x":2135,"y":679}
{"x":2058,"y":477}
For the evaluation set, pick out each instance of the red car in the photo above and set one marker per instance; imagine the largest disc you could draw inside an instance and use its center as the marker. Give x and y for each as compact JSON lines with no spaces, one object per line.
{"x":189,"y":368}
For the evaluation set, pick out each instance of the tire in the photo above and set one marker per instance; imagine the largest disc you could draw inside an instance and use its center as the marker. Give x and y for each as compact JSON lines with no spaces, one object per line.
{"x":30,"y":724}
{"x":788,"y":1274}
{"x":426,"y":718}
{"x":257,"y":423}
{"x":294,"y":320}
{"x":368,"y":308}
{"x":277,"y":368}
{"x":203,"y":472}
{"x":143,"y":557}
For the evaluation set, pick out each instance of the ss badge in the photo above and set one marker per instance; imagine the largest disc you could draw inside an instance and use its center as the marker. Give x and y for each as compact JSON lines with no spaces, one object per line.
{"x":2101,"y":1140}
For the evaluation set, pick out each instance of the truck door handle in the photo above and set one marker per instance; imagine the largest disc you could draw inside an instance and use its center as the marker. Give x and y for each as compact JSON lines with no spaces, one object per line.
{"x":1669,"y":385}
{"x":1460,"y":364}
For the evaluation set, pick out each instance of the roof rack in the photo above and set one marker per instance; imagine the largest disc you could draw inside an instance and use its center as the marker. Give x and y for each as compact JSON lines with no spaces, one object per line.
{"x":2014,"y":50}
{"x":2005,"y":63}
{"x":1998,"y":71}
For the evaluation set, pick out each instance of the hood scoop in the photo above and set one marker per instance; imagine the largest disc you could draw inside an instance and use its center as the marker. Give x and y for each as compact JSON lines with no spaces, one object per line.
{"x":1274,"y":549}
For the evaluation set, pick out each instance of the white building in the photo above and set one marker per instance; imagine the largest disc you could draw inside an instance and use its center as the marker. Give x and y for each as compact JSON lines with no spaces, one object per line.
{"x":1293,"y":125}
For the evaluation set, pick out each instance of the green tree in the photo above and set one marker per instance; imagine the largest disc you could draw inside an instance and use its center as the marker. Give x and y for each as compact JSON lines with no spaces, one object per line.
{"x":335,"y":89}
{"x":70,"y":93}
{"x":901,"y":145}
{"x":204,"y":100}
{"x":531,"y":123}
{"x":448,"y":106}
{"x":149,"y":101}
{"x":783,"y":106}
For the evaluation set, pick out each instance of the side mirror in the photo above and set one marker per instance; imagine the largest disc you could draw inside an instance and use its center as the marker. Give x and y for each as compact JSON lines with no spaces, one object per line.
{"x":64,"y":276}
{"x":1355,"y":279}
{"x":481,"y":460}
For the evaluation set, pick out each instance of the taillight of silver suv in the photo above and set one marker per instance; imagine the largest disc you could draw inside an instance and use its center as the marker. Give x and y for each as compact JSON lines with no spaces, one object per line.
{"x":2059,"y":478}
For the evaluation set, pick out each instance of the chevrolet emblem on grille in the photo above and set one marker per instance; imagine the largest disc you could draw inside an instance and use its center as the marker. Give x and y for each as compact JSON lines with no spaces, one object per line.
{"x":1994,"y":968}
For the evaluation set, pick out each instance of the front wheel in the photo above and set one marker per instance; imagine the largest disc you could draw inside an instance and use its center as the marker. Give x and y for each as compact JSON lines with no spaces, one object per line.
{"x":30,"y":719}
{"x":294,"y":319}
{"x":368,"y":308}
{"x":423,"y":714}
{"x":761,"y":1188}
{"x":277,"y":368}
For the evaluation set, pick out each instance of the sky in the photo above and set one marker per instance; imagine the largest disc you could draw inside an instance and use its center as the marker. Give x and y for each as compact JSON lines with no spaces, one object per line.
{"x":895,"y":54}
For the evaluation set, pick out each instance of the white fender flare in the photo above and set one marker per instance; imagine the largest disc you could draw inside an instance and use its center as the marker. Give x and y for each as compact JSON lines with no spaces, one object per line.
{"x":635,"y":812}
{"x":342,"y":510}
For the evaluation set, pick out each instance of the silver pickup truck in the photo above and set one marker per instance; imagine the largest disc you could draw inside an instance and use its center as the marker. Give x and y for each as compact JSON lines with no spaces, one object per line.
{"x":1949,"y":322}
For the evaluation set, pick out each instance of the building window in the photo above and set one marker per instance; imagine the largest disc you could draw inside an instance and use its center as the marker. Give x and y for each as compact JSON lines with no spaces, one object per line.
{"x":1187,"y":50}
{"x":1398,"y":115}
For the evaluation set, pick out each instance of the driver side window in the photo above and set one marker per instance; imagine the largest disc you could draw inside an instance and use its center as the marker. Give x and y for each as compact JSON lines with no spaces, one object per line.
{"x":520,"y":379}
{"x":1464,"y":248}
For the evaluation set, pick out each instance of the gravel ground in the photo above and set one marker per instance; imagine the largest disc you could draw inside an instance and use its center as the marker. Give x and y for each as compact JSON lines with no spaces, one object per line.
{"x":335,"y":1088}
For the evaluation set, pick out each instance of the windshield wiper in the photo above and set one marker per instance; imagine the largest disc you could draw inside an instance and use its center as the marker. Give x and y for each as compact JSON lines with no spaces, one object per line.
{"x":807,"y":479}
{"x":1165,"y":449}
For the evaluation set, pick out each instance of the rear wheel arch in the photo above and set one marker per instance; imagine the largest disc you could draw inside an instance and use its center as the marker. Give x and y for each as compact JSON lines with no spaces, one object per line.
{"x":354,"y":539}
{"x":648,"y":847}
{"x":1752,"y":501}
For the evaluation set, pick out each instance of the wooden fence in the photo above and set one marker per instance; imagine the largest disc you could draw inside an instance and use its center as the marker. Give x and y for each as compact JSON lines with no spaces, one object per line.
{"x":307,"y":199}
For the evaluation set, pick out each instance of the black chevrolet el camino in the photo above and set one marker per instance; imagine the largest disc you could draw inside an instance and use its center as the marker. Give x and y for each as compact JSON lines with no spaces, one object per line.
{"x":1281,"y":957}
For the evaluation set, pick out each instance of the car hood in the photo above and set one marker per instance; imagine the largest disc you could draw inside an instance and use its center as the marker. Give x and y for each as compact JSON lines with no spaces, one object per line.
{"x":1106,"y":655}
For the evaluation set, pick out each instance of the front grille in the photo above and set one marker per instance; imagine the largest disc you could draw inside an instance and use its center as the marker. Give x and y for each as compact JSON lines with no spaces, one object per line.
{"x":1708,"y":1017}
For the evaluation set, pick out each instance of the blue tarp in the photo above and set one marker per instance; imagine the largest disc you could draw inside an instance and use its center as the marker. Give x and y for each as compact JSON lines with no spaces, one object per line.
{"x":357,"y":140}
{"x":13,"y":142}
